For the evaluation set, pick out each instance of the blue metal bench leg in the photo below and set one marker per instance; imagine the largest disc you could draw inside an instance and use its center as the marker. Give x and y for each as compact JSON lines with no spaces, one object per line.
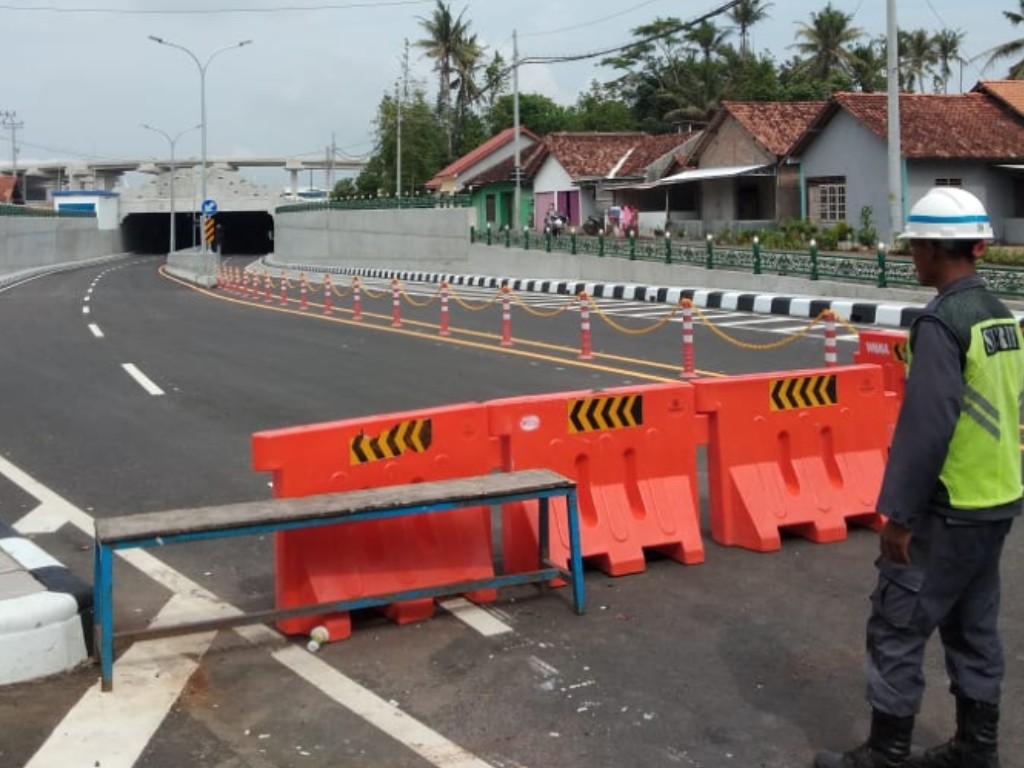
{"x":104,"y":606}
{"x":575,"y":555}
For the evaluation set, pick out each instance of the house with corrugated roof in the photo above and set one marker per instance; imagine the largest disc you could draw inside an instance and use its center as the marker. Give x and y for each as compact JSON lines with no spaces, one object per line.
{"x":972,"y":140}
{"x":453,"y":178}
{"x":736,"y":175}
{"x":581,"y":172}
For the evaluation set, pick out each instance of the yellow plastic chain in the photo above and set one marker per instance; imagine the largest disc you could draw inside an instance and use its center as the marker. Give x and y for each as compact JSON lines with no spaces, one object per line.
{"x":341,"y":293}
{"x":418,"y":304}
{"x":374,"y":294}
{"x":472,"y":307}
{"x":746,"y":345}
{"x":570,"y":302}
{"x":632,"y":331}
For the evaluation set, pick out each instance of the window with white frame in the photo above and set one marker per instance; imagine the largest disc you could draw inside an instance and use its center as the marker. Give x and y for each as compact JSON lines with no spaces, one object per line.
{"x":832,"y":201}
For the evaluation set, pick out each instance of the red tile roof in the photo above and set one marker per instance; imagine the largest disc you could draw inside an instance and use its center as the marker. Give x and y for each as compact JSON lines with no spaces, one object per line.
{"x":609,"y":155}
{"x":473,"y":157}
{"x":775,"y":125}
{"x":531,"y":158}
{"x":1010,"y":92}
{"x":934,"y":126}
{"x":6,"y":189}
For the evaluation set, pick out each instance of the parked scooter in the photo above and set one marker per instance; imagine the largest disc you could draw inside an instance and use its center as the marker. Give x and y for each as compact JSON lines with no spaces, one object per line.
{"x":555,"y":223}
{"x":592,"y":225}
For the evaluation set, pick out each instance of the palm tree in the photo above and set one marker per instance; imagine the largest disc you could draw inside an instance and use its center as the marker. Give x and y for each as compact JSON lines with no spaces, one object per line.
{"x":917,"y":57}
{"x":868,"y":66}
{"x":947,"y":44}
{"x":447,"y":42}
{"x":826,"y":40}
{"x":745,"y":15}
{"x":1012,"y":49}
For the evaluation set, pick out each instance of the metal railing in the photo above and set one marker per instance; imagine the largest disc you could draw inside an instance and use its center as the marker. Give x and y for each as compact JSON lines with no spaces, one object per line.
{"x":881,"y":269}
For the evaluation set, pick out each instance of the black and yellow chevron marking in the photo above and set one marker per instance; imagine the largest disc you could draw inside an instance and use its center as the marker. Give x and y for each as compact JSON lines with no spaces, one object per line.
{"x":596,"y":414}
{"x":802,"y":392}
{"x":899,"y":351}
{"x":405,"y":436}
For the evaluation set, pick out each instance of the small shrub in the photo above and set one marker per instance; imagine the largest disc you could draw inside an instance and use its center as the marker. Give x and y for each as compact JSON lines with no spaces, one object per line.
{"x":867,"y":235}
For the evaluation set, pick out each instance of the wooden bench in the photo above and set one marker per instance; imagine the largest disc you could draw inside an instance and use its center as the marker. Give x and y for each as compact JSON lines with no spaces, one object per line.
{"x":154,"y":529}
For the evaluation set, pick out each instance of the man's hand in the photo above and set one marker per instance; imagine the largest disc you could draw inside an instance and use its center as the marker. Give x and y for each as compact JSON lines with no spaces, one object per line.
{"x":895,"y":543}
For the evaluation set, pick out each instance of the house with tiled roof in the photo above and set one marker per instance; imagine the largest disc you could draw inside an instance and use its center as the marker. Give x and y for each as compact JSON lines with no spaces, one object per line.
{"x":493,"y":191}
{"x":582,"y":170}
{"x":1009,"y":92}
{"x":452,"y":178}
{"x":972,"y":140}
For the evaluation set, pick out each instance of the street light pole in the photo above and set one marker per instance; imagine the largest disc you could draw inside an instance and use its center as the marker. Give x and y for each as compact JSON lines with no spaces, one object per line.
{"x":202,"y":67}
{"x":174,"y":170}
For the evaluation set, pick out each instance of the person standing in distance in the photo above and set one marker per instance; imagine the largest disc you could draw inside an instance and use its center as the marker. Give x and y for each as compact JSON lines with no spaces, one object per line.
{"x":951,"y":489}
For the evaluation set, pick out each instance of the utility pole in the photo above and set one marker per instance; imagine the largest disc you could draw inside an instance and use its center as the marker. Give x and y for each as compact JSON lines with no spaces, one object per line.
{"x":517,"y":199}
{"x":895,"y":169}
{"x":8,"y":121}
{"x":401,"y":94}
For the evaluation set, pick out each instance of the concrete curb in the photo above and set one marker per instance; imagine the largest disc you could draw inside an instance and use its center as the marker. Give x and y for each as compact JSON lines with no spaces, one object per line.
{"x":11,"y":279}
{"x":889,"y":314}
{"x":45,"y":612}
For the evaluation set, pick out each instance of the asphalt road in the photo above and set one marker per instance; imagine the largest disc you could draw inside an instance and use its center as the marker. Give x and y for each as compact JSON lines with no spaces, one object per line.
{"x":746,"y":660}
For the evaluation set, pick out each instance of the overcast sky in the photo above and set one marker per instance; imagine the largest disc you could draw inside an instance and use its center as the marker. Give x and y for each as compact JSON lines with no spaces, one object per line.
{"x":82,"y":75}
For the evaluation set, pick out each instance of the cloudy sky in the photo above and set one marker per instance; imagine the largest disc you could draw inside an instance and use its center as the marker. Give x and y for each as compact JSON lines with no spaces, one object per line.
{"x":82,"y":75}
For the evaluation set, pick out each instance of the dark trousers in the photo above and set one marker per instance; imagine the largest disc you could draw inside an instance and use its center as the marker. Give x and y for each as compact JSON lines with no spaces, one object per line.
{"x":952,"y":584}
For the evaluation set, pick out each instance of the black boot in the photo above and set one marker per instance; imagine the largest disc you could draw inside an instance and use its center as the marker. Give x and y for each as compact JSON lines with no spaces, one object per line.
{"x":976,"y":743}
{"x":888,"y":746}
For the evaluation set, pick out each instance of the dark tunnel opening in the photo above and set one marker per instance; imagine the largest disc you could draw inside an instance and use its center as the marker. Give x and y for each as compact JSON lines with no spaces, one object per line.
{"x":244,"y":233}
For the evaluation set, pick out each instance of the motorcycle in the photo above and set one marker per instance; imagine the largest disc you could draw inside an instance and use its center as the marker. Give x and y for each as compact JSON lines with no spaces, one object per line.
{"x":555,"y":224}
{"x":593,"y":225}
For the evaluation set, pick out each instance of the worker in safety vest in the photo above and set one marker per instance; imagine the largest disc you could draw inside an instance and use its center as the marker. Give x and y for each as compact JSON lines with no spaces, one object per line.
{"x":951,"y":489}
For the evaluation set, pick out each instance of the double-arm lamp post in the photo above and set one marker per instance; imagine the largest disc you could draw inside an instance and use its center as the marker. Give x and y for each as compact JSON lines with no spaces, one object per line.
{"x":202,"y":66}
{"x":174,"y":170}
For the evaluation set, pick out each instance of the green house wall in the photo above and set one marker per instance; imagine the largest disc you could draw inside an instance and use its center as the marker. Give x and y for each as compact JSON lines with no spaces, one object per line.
{"x":504,"y":202}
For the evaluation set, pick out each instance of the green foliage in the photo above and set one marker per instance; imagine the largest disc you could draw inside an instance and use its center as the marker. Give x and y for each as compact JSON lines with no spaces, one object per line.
{"x":538,"y":113}
{"x":344,"y":188}
{"x":599,"y":109}
{"x":867,"y":235}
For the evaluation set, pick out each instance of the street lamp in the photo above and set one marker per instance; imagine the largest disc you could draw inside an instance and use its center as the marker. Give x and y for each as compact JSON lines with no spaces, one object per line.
{"x":174,"y":169}
{"x":202,"y":95}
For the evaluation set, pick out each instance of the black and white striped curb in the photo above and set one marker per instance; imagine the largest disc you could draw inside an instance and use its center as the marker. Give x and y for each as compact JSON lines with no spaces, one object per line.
{"x":855,"y":311}
{"x":45,"y":612}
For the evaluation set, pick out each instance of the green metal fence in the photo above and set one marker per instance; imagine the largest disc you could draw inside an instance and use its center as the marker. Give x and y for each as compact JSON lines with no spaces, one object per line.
{"x":379,"y":203}
{"x":881,"y":268}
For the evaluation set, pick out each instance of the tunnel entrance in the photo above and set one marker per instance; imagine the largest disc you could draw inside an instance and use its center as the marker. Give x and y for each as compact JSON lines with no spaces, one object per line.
{"x":245,"y":233}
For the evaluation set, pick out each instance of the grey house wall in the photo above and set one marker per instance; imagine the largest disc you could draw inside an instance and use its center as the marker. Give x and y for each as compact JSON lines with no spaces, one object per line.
{"x":27,"y":242}
{"x":846,"y":148}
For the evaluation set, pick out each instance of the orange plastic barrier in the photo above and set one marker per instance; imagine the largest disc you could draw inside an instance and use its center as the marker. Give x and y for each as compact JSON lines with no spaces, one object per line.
{"x":381,"y":556}
{"x":889,"y":350}
{"x":632,"y":453}
{"x":802,"y":451}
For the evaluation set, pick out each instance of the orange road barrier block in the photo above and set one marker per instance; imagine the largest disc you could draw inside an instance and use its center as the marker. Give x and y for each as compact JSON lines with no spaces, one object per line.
{"x":379,"y":556}
{"x":802,"y":451}
{"x":632,"y":452}
{"x":889,"y":350}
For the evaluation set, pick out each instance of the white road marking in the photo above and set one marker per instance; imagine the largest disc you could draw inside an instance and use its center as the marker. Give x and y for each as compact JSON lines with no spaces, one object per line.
{"x":475,"y":617}
{"x":96,"y":330}
{"x":85,"y":310}
{"x":142,"y":379}
{"x":112,"y":729}
{"x":86,"y":299}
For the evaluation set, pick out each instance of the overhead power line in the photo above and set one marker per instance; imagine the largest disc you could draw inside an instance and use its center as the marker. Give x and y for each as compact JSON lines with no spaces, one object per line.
{"x":210,"y":11}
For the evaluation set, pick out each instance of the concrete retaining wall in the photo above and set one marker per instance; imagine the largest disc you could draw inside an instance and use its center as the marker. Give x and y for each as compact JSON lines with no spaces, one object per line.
{"x":438,"y":241}
{"x":27,"y":242}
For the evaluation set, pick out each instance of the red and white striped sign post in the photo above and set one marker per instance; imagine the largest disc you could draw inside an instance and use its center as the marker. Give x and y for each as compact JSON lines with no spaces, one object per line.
{"x":689,"y":366}
{"x":396,"y":305}
{"x":506,"y":316}
{"x":443,"y":331}
{"x":831,"y":358}
{"x":357,"y":300}
{"x":586,"y":352}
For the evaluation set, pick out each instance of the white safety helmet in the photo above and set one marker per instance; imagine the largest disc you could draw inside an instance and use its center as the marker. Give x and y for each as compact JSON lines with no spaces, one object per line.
{"x":948,"y":213}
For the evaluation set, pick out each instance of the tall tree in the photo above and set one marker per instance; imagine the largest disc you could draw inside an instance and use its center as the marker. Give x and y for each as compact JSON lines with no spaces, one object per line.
{"x":1011,"y":50}
{"x":917,"y":57}
{"x":947,"y":43}
{"x":467,"y":63}
{"x":744,"y":16}
{"x":538,"y":113}
{"x":826,"y":42}
{"x":868,"y":66}
{"x":600,"y":109}
{"x":447,"y":42}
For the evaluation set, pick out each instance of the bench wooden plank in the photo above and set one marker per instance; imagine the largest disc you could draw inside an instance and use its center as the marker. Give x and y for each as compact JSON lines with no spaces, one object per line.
{"x":478,"y":488}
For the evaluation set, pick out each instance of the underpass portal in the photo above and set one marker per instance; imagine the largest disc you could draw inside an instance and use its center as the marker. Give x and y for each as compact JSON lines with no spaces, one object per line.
{"x":248,"y":233}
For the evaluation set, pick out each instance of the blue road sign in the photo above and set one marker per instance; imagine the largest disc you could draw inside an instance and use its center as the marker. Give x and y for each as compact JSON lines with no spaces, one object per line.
{"x":209,"y":208}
